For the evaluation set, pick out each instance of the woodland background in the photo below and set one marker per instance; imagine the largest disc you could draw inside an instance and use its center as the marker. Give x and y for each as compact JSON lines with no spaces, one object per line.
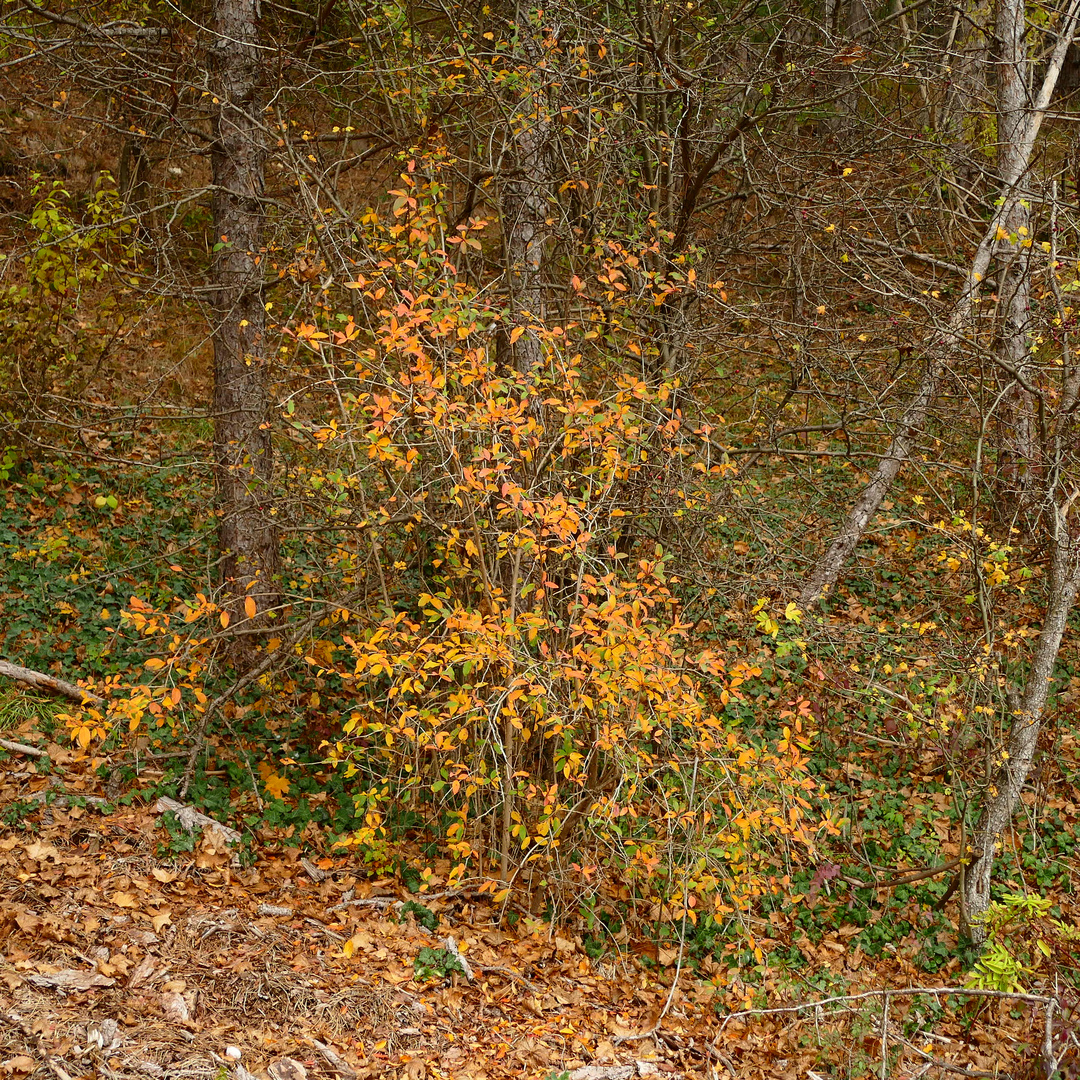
{"x":612,"y":466}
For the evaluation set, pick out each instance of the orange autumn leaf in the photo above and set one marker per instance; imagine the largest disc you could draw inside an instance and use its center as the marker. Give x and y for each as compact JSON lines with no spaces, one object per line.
{"x":277,"y":786}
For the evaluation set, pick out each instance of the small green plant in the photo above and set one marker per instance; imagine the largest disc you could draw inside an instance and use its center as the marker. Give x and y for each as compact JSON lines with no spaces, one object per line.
{"x":18,"y":813}
{"x":18,"y":709}
{"x":9,"y":461}
{"x":1013,"y":950}
{"x":179,"y":840}
{"x":424,"y":915}
{"x":436,"y":964}
{"x":45,"y":327}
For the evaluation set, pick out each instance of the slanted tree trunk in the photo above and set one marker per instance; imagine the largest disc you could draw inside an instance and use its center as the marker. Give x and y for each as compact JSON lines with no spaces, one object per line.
{"x":247,"y":534}
{"x":828,"y":568}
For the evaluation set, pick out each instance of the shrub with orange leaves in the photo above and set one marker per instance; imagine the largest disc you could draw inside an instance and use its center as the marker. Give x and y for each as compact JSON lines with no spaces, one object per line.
{"x":534,"y":697}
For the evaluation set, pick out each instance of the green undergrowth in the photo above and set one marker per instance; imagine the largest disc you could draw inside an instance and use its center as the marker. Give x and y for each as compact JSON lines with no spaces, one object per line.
{"x":898,"y":713}
{"x":76,"y":542}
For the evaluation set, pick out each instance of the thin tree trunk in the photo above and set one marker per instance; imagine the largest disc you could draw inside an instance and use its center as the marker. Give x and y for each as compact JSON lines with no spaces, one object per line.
{"x":1015,"y":764}
{"x":247,"y":535}
{"x":827,"y":571}
{"x":964,"y":67}
{"x":1019,"y":438}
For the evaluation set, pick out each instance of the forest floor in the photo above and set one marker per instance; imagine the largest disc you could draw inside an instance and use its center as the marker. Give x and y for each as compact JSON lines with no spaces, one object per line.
{"x":122,"y":959}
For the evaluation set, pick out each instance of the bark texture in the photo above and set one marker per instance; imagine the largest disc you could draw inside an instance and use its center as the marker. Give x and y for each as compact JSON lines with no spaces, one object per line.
{"x":524,"y":208}
{"x":1019,"y":449}
{"x":39,"y":680}
{"x":247,"y":534}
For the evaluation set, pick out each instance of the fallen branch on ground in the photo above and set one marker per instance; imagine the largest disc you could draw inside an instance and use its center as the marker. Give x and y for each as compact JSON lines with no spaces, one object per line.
{"x":22,"y":748}
{"x":40,"y":681}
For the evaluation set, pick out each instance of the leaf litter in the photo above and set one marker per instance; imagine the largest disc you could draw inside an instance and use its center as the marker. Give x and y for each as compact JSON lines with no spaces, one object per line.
{"x":123,"y":961}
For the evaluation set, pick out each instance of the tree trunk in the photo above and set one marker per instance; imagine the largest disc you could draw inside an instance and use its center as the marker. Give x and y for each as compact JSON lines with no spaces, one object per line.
{"x":246,"y":533}
{"x":1019,"y":437}
{"x":827,"y":571}
{"x":524,"y":212}
{"x":1015,"y":763}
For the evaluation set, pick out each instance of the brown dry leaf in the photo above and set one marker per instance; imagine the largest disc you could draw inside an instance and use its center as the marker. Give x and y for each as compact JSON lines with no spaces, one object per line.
{"x":70,"y":981}
{"x":15,"y":1066}
{"x":286,"y":1069}
{"x":28,"y":922}
{"x":39,"y":851}
{"x":605,"y":1052}
{"x":144,"y":972}
{"x":175,"y":1007}
{"x":125,"y":900}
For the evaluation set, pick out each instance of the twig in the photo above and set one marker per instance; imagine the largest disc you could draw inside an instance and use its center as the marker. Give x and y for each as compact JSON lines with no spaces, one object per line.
{"x":496,"y":969}
{"x":335,"y":1061}
{"x":1049,"y":1061}
{"x":933,"y":1062}
{"x":913,"y":991}
{"x":375,"y":901}
{"x":682,"y":948}
{"x":885,"y":1036}
{"x":332,"y":935}
{"x":110,"y":30}
{"x":912,"y":877}
{"x":451,"y":946}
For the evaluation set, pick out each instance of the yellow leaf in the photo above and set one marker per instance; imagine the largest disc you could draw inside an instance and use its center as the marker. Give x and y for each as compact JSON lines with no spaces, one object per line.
{"x":250,"y":607}
{"x":224,"y":619}
{"x":124,"y":899}
{"x":277,"y":786}
{"x":516,"y":333}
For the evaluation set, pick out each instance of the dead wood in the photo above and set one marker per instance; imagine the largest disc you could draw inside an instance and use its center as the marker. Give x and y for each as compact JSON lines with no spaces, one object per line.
{"x":40,"y":681}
